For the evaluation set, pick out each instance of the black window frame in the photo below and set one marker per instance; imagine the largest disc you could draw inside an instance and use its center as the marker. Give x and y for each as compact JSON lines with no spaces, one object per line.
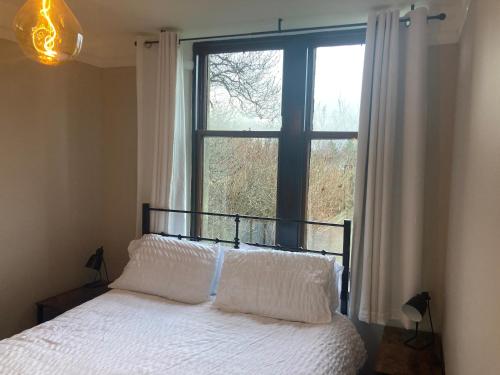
{"x":296,"y":134}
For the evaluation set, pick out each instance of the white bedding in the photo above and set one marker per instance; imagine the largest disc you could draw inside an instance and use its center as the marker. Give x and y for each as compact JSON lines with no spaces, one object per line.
{"x":131,"y":333}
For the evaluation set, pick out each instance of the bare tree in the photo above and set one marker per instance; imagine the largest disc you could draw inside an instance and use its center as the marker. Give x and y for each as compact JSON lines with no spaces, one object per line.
{"x":249,"y":81}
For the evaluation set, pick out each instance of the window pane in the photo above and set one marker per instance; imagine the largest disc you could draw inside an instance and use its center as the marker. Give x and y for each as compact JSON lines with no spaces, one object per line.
{"x":239,"y":177}
{"x":337,"y":87}
{"x":244,"y":90}
{"x":331,"y":188}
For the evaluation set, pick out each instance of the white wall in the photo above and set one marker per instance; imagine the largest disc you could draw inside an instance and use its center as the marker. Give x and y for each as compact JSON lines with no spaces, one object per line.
{"x":472,"y":298}
{"x":50,"y":173}
{"x":67,"y":146}
{"x":120,"y":164}
{"x":443,"y":66}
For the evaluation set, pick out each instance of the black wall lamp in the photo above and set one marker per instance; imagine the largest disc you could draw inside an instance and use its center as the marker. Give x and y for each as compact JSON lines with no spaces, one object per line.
{"x":415,"y":310}
{"x":95,"y":262}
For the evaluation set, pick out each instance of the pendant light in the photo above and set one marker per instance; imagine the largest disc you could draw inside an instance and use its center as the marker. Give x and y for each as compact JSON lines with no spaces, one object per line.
{"x":48,"y":31}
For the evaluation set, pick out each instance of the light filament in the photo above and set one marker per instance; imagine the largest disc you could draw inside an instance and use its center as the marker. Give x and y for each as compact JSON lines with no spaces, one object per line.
{"x":44,"y":33}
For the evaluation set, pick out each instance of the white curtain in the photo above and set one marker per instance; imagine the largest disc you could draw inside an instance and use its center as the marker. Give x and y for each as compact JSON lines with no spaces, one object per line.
{"x":388,"y":213}
{"x":162,"y":135}
{"x":180,"y":183}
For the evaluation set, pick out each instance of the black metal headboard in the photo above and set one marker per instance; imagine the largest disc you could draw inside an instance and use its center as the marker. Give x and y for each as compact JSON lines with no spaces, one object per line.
{"x":345,"y":254}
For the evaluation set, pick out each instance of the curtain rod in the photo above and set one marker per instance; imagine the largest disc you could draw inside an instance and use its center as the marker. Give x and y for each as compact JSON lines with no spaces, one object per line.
{"x":280,"y":31}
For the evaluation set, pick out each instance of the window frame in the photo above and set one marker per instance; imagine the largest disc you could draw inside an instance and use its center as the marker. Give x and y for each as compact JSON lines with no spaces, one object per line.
{"x":296,"y":133}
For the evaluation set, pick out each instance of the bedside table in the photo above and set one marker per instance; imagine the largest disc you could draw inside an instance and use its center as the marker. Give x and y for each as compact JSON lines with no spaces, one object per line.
{"x":395,"y":358}
{"x":51,"y":307}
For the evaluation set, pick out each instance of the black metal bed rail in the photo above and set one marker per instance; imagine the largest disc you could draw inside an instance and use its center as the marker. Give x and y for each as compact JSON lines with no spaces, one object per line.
{"x":236,"y":242}
{"x":276,"y":219}
{"x":255,"y":244}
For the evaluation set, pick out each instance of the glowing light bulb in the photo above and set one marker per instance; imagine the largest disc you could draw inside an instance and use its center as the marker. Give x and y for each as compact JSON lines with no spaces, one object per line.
{"x":48,"y":32}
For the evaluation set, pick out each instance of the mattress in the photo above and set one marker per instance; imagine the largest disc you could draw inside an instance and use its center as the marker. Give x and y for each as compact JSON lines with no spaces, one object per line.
{"x":122,"y":332}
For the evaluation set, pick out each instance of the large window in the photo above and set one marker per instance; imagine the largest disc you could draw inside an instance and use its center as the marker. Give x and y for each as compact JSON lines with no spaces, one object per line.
{"x":275,"y":135}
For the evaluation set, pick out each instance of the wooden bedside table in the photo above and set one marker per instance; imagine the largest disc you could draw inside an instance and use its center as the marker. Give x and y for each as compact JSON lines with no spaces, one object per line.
{"x":51,"y":307}
{"x":395,"y":358}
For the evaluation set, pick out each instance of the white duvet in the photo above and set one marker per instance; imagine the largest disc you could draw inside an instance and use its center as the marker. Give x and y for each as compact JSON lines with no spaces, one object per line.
{"x":130,"y":333}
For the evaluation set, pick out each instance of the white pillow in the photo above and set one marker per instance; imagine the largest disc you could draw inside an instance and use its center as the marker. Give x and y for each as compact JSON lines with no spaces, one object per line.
{"x":221,"y":249}
{"x":336,"y":281}
{"x":277,"y":284}
{"x":177,"y":270}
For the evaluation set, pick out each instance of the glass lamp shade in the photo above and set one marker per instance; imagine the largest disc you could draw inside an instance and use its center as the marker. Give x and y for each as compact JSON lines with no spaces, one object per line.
{"x":416,"y":307}
{"x":48,"y":31}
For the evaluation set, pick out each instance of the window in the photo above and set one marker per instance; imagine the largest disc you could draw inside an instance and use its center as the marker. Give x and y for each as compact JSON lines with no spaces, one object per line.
{"x":275,"y":135}
{"x":338,"y":73}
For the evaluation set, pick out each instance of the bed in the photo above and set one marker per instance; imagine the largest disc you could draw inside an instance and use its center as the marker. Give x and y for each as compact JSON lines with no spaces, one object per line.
{"x":136,"y":332}
{"x":123,"y":332}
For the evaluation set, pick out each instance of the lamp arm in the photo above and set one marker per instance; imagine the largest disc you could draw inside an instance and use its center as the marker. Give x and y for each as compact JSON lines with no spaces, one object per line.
{"x":430,"y":317}
{"x":414,"y":337}
{"x":106,"y":271}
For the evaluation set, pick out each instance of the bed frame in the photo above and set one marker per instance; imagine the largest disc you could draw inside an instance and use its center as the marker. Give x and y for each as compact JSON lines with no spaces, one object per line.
{"x":345,"y":254}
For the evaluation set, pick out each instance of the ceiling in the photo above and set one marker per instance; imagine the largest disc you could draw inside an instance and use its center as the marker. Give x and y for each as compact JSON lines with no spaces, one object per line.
{"x":110,"y":26}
